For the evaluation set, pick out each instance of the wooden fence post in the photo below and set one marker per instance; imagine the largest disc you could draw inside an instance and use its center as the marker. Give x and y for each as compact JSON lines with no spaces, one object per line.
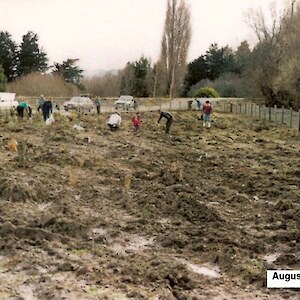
{"x":265,"y":113}
{"x":282,"y":115}
{"x":275,"y":113}
{"x":251,"y":110}
{"x":299,"y":119}
{"x":291,"y":117}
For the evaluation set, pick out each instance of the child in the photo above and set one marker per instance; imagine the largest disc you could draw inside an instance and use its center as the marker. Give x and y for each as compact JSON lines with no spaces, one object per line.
{"x":136,"y":121}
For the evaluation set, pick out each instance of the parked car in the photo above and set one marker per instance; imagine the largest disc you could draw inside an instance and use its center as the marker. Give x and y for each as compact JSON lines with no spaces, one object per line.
{"x":82,"y":104}
{"x":126,"y":102}
{"x":7,"y":101}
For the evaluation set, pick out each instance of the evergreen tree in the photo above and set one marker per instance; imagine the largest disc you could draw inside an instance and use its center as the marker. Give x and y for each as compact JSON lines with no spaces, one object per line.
{"x":8,"y":55}
{"x":196,"y":71}
{"x":31,"y":57}
{"x":141,"y":70}
{"x":135,"y":78}
{"x":3,"y":80}
{"x":69,"y":71}
{"x":243,"y":56}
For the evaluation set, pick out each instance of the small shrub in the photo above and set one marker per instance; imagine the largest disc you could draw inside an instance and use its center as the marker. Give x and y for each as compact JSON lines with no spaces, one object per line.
{"x":206,"y":92}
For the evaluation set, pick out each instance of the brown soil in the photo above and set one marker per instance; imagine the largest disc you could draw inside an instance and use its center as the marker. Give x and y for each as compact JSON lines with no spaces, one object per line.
{"x":199,"y":214}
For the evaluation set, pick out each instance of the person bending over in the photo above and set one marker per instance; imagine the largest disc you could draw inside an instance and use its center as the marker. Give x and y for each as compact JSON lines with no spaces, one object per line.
{"x":169,"y":118}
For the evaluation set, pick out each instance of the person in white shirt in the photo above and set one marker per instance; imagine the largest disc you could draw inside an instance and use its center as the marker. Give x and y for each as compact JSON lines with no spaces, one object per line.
{"x":114,"y":121}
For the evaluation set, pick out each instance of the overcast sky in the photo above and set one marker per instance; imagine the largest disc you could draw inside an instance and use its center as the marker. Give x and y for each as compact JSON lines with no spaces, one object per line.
{"x":106,"y":34}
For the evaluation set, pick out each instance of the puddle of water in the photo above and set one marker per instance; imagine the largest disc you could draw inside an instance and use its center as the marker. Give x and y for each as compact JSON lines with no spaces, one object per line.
{"x":41,"y":270}
{"x":118,"y":248}
{"x":139,"y":243}
{"x":270,"y":258}
{"x":44,"y":206}
{"x":2,"y":263}
{"x":135,"y":244}
{"x":26,"y":292}
{"x":99,"y":231}
{"x":110,"y":293}
{"x":206,"y":269}
{"x":211,"y":271}
{"x":164,"y":221}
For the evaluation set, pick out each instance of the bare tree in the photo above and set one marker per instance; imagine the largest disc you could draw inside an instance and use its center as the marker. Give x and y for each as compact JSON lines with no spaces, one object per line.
{"x":276,"y":54}
{"x":174,"y":46}
{"x":106,"y":85}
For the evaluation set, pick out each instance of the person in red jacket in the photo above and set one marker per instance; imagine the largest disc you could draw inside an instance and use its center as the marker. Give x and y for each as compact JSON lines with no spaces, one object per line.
{"x":207,"y":110}
{"x":136,"y":120}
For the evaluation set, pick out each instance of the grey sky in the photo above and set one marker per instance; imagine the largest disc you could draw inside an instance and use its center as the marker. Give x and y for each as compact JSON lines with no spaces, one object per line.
{"x":106,"y":34}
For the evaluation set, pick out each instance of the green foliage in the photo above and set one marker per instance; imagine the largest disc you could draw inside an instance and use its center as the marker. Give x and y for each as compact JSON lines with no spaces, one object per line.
{"x":227,"y":85}
{"x":219,"y":60}
{"x":68,"y":71}
{"x":206,"y":92}
{"x":31,"y":57}
{"x":286,"y":84}
{"x":3,"y":80}
{"x":196,"y":71}
{"x":8,"y":55}
{"x":135,"y":78}
{"x":212,"y":65}
{"x":242,"y":57}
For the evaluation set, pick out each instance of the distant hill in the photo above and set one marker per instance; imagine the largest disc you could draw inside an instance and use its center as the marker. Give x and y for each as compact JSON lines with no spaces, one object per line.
{"x":98,"y":72}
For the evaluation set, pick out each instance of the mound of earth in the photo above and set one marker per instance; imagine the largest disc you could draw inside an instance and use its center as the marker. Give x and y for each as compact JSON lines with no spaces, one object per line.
{"x":198,"y":214}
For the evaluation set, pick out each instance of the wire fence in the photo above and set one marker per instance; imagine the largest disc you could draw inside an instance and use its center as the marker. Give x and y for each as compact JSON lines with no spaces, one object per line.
{"x":281,"y":115}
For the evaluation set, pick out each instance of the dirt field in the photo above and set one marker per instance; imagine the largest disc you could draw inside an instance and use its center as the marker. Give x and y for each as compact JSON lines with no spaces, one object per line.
{"x":199,"y":214}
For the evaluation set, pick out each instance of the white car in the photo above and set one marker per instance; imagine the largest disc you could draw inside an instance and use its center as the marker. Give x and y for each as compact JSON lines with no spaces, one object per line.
{"x":7,"y":101}
{"x":125,"y":102}
{"x":82,"y":104}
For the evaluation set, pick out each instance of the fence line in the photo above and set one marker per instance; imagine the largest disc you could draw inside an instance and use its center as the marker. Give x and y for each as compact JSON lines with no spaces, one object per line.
{"x":234,"y":106}
{"x":274,"y":114}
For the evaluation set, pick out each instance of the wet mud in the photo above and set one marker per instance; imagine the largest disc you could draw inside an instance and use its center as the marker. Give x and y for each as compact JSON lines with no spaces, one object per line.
{"x":198,"y":214}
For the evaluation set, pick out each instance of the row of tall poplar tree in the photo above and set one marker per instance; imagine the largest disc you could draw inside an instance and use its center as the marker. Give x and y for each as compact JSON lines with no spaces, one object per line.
{"x":269,"y":70}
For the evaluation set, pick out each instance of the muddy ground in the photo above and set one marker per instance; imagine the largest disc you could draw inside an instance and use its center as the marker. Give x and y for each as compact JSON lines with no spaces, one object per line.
{"x":199,"y":214}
